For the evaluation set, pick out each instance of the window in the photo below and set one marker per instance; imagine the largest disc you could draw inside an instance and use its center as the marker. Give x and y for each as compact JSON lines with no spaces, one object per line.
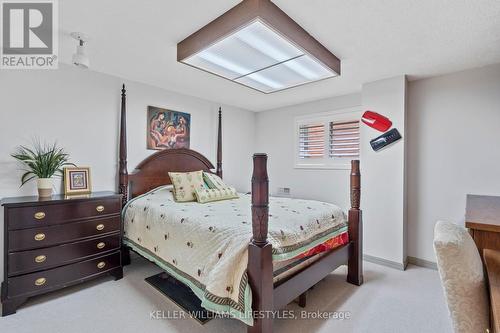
{"x":344,"y":139}
{"x":328,"y":140}
{"x":311,"y":140}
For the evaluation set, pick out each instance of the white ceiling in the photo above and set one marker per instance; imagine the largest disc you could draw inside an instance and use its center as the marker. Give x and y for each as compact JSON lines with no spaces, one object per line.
{"x":375,"y":39}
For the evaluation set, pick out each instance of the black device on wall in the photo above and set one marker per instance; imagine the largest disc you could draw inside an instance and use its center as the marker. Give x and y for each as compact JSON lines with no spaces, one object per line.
{"x":385,"y":139}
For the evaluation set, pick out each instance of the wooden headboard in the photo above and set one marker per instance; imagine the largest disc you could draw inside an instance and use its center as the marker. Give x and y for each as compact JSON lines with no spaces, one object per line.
{"x":153,"y":171}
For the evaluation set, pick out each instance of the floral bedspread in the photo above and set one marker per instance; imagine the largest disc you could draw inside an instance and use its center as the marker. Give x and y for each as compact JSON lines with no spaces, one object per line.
{"x":205,"y":245}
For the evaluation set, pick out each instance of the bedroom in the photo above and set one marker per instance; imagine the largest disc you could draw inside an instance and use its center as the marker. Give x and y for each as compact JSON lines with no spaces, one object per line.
{"x":428,"y":69}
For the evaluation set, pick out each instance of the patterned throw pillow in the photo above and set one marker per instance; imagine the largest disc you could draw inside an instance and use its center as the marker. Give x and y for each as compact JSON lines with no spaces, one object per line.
{"x":213,"y":181}
{"x":185,"y":185}
{"x":209,"y":195}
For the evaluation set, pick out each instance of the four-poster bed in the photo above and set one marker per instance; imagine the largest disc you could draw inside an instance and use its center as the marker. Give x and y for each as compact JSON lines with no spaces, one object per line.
{"x":267,"y":294}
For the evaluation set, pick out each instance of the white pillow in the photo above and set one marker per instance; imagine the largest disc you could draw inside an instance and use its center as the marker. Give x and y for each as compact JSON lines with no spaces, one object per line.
{"x":462,"y":276}
{"x":185,"y":184}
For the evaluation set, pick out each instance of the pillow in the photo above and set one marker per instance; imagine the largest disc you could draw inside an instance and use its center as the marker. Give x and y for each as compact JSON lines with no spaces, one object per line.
{"x":185,"y":184}
{"x":214,"y":181}
{"x":209,"y":195}
{"x":462,"y":276}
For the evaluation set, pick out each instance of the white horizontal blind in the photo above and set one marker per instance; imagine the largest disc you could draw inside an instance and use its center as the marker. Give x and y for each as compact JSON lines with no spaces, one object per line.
{"x":311,"y":141}
{"x":344,"y":139}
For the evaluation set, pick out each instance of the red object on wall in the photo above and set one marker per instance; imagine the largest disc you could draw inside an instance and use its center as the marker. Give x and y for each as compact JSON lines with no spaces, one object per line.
{"x":376,"y":121}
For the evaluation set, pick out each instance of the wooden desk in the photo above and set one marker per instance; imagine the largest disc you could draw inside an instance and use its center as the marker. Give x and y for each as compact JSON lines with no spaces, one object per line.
{"x":482,"y":217}
{"x":492,"y":263}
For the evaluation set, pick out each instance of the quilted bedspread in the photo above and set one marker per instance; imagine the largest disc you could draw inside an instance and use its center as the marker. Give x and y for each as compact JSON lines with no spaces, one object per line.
{"x":205,"y":245}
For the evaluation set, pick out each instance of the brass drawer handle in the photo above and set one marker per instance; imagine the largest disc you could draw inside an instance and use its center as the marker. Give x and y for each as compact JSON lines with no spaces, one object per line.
{"x":101,"y":245}
{"x":100,"y":227}
{"x":39,"y":237}
{"x":41,"y":258}
{"x":101,"y":265}
{"x":39,"y":215}
{"x":100,"y":209}
{"x":40,"y":281}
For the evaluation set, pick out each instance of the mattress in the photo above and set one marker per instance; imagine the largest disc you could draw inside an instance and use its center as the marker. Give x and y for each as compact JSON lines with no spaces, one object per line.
{"x":287,"y":268}
{"x":205,"y":246}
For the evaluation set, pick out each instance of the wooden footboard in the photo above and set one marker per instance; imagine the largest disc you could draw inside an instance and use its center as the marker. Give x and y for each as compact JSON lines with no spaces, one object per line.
{"x":266,"y":296}
{"x":355,"y":229}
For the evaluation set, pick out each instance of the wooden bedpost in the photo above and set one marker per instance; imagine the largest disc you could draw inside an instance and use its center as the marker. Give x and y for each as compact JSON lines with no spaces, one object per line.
{"x":123,"y":172}
{"x":260,"y":260}
{"x":219,"y":145}
{"x":355,"y":264}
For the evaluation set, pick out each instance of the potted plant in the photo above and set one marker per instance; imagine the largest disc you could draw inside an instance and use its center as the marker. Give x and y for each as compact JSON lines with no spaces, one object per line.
{"x":43,"y":162}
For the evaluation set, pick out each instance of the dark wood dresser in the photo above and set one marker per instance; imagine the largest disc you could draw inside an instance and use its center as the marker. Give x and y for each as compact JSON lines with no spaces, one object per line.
{"x":58,"y":242}
{"x":482,"y":218}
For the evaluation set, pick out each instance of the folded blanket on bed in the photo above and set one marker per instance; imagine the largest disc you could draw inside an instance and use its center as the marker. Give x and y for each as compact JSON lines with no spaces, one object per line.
{"x":205,"y":245}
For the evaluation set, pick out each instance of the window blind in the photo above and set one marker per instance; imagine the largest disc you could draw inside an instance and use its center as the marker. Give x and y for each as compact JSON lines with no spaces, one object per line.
{"x":311,"y":140}
{"x":344,"y":139}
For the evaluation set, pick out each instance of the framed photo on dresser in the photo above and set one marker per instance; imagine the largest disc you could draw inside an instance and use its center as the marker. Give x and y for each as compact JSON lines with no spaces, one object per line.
{"x":77,"y":181}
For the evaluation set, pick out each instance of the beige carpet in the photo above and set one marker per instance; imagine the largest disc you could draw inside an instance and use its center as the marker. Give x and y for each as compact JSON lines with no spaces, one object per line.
{"x":389,"y":301}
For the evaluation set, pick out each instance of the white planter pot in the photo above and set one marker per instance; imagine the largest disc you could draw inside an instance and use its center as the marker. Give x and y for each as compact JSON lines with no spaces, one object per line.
{"x":44,"y":187}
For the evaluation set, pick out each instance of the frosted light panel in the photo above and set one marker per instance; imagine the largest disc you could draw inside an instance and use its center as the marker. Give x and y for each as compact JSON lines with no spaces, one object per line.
{"x":287,"y":74}
{"x":258,"y":57}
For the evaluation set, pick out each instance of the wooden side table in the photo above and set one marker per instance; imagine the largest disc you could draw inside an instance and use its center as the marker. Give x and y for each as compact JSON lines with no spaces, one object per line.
{"x":482,"y":218}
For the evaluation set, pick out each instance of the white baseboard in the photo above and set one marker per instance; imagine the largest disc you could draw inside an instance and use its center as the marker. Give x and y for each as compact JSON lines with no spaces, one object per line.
{"x":396,"y":265}
{"x":385,"y":262}
{"x":422,"y":263}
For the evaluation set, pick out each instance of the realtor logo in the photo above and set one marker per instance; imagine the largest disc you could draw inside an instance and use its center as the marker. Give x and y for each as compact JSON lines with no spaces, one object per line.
{"x":29,"y":34}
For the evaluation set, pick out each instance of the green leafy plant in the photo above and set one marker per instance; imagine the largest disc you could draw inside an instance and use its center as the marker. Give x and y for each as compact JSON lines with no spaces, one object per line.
{"x":41,"y":161}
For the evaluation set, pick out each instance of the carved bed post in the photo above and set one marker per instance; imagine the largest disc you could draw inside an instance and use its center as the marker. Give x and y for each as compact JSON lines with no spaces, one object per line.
{"x":219,"y":145}
{"x":355,"y":264}
{"x":260,"y":264}
{"x":123,"y":172}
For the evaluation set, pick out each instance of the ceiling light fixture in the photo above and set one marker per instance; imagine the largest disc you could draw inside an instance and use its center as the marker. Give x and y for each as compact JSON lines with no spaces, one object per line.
{"x":257,"y":45}
{"x":80,"y":58}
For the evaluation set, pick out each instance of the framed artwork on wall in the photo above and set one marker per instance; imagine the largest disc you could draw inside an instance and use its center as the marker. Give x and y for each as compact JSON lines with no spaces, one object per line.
{"x":77,"y":181}
{"x":167,"y":129}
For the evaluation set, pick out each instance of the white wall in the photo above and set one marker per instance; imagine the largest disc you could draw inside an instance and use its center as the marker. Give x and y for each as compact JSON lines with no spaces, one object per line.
{"x":382,"y":198}
{"x":80,"y":109}
{"x":383,"y":175}
{"x":453,"y":137}
{"x":450,"y":132}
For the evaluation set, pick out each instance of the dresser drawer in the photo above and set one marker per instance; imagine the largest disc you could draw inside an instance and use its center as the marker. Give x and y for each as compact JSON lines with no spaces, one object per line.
{"x":39,"y":216}
{"x":34,"y":283}
{"x":45,"y":258}
{"x":28,"y":239}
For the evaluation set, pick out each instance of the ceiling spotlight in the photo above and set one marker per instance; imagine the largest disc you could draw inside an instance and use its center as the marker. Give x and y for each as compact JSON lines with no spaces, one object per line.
{"x":80,"y":58}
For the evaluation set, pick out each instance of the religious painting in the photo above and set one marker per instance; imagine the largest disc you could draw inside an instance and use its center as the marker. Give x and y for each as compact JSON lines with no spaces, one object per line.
{"x":168,"y":129}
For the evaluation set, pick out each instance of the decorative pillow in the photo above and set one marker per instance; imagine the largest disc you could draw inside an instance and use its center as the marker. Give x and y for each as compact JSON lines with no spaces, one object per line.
{"x":185,"y":184}
{"x":209,"y":195}
{"x":462,"y":276}
{"x":213,"y":181}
